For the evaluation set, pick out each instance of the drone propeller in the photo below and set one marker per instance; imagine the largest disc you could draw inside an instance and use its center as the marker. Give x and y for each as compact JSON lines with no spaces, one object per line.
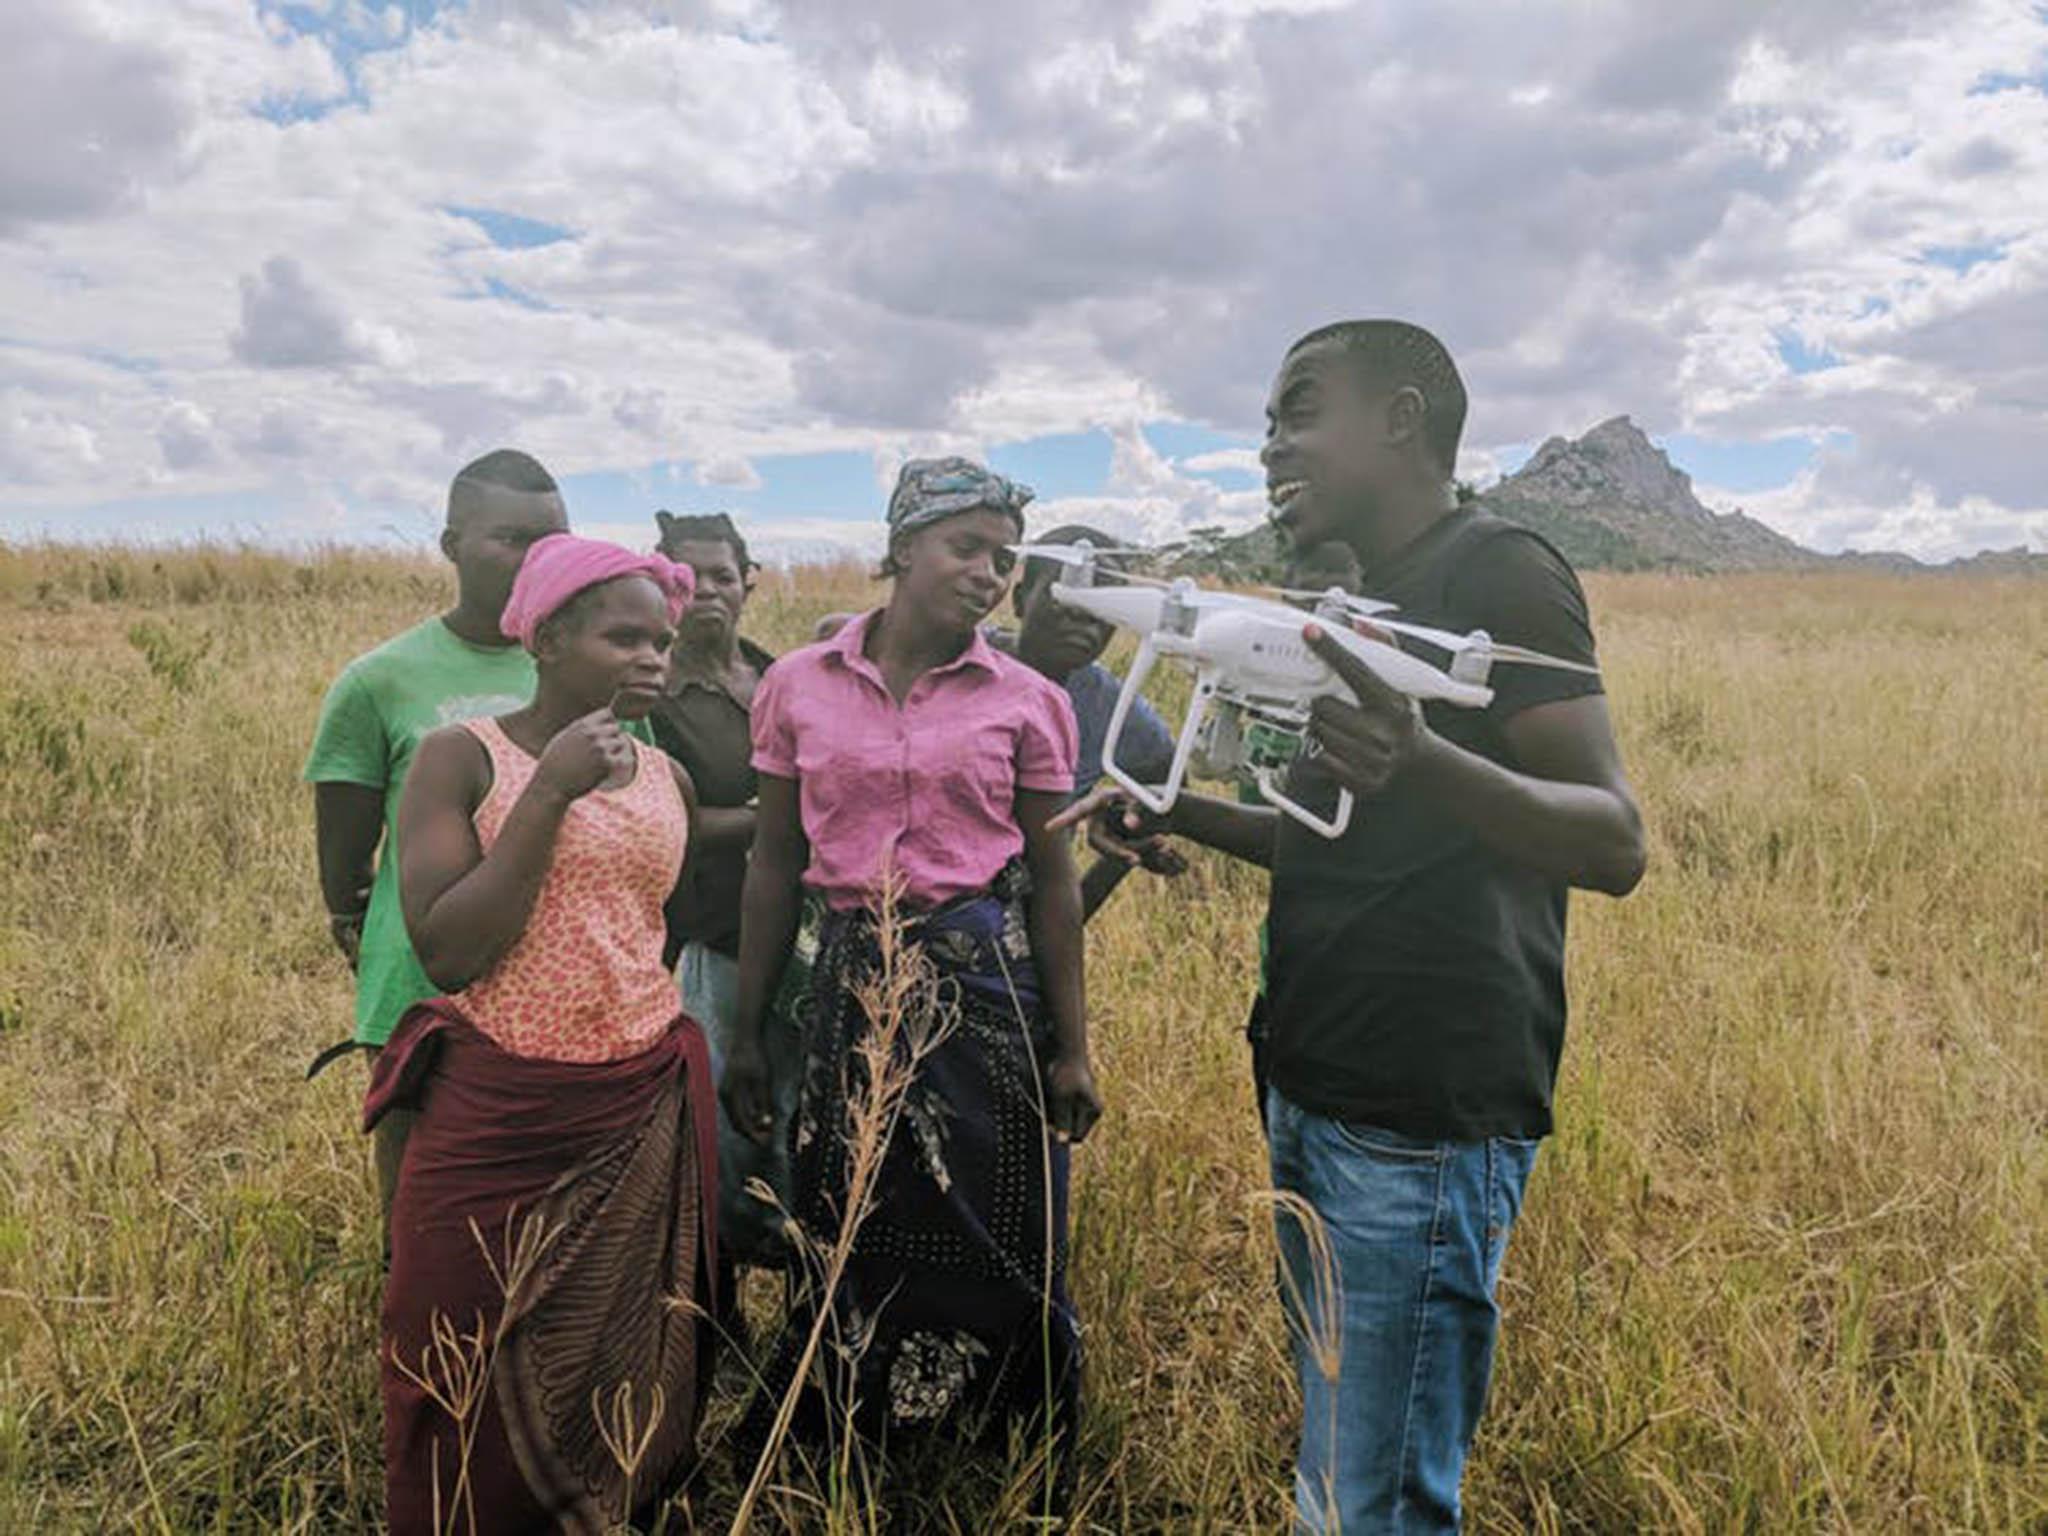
{"x":1363,"y":607}
{"x":1071,"y":554}
{"x":1444,"y":640}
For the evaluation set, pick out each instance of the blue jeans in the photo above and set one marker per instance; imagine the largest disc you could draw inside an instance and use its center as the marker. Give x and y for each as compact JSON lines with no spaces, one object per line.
{"x":1394,"y":1365}
{"x":749,"y":1228}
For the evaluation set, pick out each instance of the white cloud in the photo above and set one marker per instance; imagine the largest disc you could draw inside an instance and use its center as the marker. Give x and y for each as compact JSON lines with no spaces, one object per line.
{"x":730,"y":471}
{"x":186,"y":436}
{"x":288,"y":323}
{"x":40,"y":446}
{"x":86,"y":118}
{"x":1242,"y":460}
{"x":809,"y":227}
{"x":1149,"y":499}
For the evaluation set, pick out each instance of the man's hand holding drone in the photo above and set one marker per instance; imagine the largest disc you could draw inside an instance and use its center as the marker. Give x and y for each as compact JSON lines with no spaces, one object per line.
{"x":1114,"y":833}
{"x":1364,"y":745}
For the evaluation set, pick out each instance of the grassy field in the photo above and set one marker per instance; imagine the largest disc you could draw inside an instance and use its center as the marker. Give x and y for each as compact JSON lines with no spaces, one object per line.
{"x":1782,"y":1267}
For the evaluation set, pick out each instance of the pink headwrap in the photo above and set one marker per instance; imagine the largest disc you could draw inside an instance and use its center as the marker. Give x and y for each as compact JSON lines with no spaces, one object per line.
{"x":559,"y":566}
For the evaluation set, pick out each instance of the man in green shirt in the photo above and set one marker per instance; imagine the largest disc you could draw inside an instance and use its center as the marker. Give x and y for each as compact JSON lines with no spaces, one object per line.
{"x":455,"y":667}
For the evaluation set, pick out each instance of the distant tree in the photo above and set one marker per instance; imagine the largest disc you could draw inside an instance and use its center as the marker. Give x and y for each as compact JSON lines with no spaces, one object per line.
{"x":1208,"y":551}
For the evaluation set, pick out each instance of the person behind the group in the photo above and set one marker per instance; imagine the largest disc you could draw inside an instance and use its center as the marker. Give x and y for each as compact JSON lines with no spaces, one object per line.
{"x":556,"y":1202}
{"x":704,"y":721}
{"x":1066,"y":645}
{"x":453,"y":667}
{"x":1417,"y":1007}
{"x":907,"y":752}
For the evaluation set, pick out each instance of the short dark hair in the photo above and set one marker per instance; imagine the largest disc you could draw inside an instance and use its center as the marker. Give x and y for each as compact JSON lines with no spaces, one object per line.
{"x":705,"y":528}
{"x":1038,"y":568}
{"x":506,"y":468}
{"x":1400,"y":355}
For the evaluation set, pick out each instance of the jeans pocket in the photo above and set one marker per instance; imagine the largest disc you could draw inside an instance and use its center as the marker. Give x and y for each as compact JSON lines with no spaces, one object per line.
{"x":1388,"y":1146}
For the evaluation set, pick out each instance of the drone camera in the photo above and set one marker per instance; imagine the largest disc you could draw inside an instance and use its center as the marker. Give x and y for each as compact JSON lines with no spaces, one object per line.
{"x":1270,"y":747}
{"x":1219,"y":752}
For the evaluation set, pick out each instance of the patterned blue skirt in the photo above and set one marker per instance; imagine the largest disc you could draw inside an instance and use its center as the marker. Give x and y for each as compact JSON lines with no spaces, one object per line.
{"x":952,"y":1309}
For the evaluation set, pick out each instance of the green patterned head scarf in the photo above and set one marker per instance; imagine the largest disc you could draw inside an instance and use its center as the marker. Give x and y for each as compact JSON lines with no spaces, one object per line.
{"x":928,"y":490}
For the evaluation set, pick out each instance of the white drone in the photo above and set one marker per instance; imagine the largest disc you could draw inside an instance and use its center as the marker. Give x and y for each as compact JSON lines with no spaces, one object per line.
{"x":1256,"y":678}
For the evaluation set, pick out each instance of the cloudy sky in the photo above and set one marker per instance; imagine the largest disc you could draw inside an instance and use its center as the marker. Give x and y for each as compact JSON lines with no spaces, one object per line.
{"x":275,"y":269}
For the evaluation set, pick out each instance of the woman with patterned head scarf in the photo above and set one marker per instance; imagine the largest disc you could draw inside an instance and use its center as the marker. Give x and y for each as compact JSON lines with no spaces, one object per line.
{"x":907,"y":771}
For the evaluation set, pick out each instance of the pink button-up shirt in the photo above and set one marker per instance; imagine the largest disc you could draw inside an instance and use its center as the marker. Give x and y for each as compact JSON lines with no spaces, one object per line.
{"x":927,"y":787}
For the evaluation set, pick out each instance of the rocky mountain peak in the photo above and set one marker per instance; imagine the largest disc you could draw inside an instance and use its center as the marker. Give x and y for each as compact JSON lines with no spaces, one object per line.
{"x":1614,"y":460}
{"x":1611,"y":497}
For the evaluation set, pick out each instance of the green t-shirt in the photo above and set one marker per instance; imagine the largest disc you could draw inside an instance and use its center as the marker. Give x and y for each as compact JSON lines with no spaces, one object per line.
{"x":376,"y":714}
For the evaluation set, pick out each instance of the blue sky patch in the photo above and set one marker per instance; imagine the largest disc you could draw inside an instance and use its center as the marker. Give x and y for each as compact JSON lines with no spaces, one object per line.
{"x":1745,"y":467}
{"x":1185,"y":439}
{"x":498,"y":288}
{"x":511,"y":231}
{"x":1063,"y":464}
{"x":837,"y":483}
{"x":349,"y":37}
{"x":2000,"y":81}
{"x":1794,"y":352}
{"x":840,"y":485}
{"x":1961,"y":258}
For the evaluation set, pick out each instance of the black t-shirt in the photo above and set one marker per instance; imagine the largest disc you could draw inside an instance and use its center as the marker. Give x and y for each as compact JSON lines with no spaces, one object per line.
{"x":710,"y":733}
{"x":1417,"y":979}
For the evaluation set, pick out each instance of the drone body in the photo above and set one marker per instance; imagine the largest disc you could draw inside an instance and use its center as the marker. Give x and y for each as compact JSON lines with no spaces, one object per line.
{"x":1256,"y":677}
{"x":1255,"y":680}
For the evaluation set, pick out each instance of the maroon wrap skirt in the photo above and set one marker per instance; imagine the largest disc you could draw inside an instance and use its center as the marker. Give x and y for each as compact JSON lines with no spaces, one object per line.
{"x":552,"y":1257}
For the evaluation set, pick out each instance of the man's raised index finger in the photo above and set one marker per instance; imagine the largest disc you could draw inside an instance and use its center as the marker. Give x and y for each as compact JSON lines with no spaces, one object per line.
{"x":1083,"y":808}
{"x":1358,"y":677}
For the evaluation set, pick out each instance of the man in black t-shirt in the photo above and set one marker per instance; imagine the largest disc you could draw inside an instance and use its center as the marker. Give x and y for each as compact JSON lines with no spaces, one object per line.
{"x":1416,"y":1002}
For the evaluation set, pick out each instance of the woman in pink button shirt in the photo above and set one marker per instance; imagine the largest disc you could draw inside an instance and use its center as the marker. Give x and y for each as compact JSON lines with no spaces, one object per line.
{"x":907,"y":749}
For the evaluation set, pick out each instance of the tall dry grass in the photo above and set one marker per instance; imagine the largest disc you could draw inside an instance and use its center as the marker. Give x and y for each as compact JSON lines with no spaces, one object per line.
{"x":1781,"y":1268}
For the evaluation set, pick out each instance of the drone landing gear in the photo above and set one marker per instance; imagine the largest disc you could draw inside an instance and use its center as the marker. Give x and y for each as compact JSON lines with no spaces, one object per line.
{"x":1243,"y":740}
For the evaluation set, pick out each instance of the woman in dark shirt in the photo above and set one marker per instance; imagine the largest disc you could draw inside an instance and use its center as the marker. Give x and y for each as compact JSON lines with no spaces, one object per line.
{"x":704,"y":723}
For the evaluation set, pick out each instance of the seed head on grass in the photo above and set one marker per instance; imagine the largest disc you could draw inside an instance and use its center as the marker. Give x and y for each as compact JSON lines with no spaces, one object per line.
{"x":906,"y":1021}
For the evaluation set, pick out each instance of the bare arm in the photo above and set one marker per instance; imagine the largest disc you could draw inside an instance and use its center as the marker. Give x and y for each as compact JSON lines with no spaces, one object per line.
{"x":1054,"y":916}
{"x":770,"y":904}
{"x":1566,"y":809}
{"x":1100,"y":883}
{"x":1569,"y":812}
{"x":348,"y":824}
{"x":1242,"y":831}
{"x":463,"y":907}
{"x":713,"y":826}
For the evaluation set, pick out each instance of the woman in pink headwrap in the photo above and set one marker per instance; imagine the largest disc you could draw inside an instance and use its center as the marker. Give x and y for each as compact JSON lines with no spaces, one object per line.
{"x":552,"y":1235}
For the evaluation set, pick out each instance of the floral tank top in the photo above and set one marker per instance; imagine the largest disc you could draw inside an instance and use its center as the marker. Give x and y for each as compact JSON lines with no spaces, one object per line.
{"x":585,"y":981}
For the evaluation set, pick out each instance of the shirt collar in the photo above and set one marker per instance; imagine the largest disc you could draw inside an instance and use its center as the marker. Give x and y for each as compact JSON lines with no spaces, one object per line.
{"x":849,"y":647}
{"x":754,"y":656}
